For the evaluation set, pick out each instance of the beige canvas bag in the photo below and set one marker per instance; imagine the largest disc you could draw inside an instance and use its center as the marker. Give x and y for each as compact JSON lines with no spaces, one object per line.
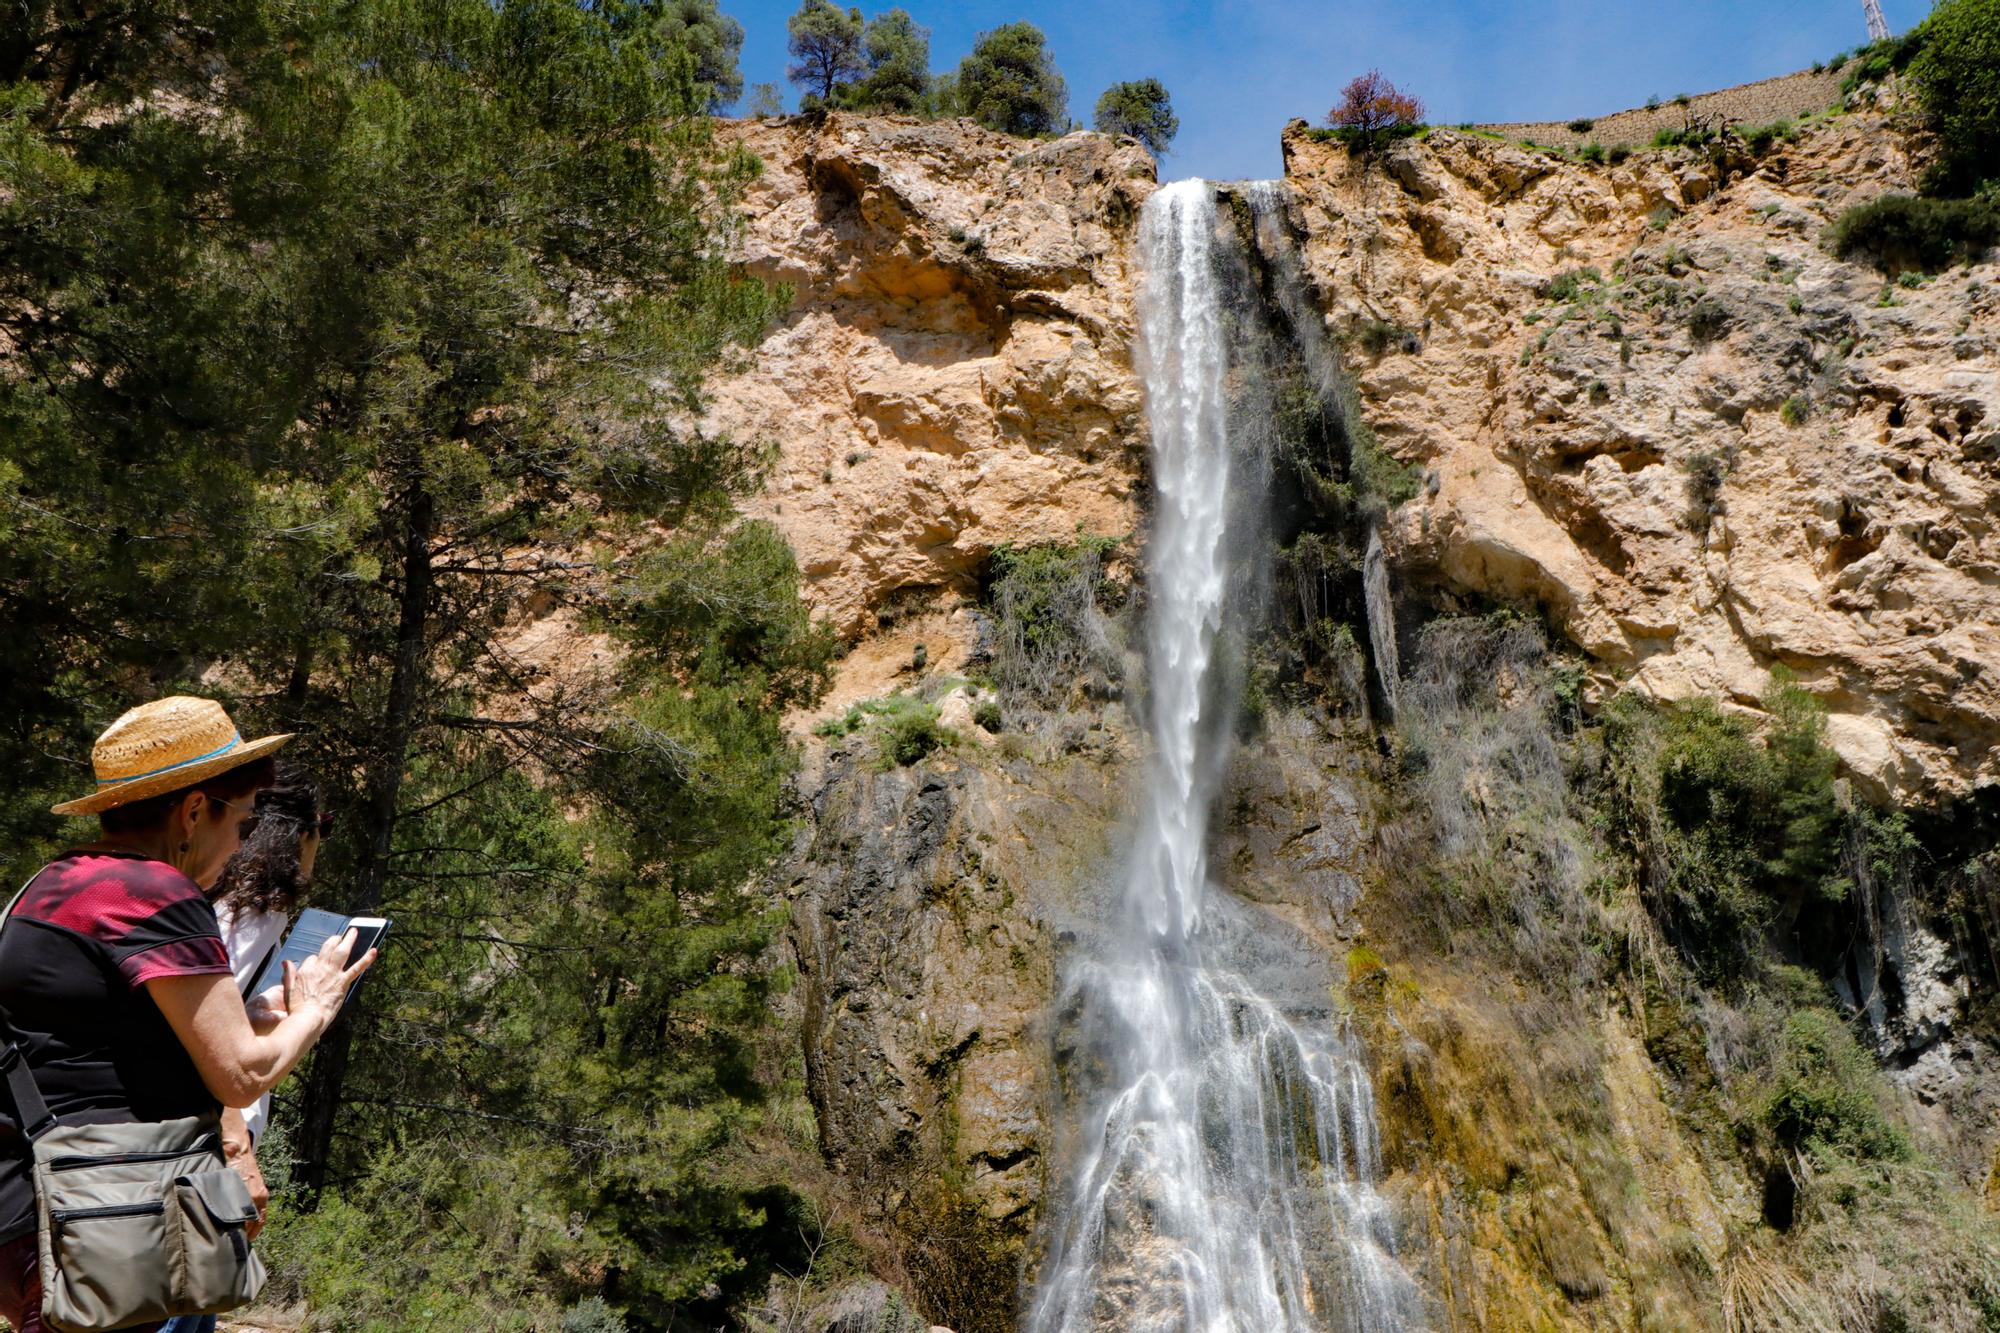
{"x":137,"y":1222}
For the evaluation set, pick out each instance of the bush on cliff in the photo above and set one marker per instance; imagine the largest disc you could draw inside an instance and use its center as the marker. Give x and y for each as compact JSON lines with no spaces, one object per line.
{"x":1957,"y":75}
{"x":1049,"y":603}
{"x":1727,"y":828}
{"x":1900,"y":232}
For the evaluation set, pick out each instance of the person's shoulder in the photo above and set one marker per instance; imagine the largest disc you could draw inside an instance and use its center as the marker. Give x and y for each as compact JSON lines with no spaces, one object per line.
{"x":105,"y":894}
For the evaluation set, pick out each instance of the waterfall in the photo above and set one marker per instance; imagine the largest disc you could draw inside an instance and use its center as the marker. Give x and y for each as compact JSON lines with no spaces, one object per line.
{"x":1274,"y":242}
{"x":1225,"y":1146}
{"x":1381,"y":617}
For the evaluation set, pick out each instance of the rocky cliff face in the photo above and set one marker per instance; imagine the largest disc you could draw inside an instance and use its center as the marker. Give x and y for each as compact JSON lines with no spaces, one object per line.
{"x":1650,"y":403}
{"x":955,"y":370}
{"x":1643,"y":400}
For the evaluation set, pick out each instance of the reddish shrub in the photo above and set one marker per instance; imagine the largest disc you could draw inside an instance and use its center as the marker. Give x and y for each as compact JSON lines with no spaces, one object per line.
{"x":1372,"y":108}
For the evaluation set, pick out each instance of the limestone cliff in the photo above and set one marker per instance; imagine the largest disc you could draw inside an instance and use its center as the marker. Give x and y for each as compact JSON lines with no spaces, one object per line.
{"x":1644,"y":401}
{"x":954,"y":372}
{"x":1574,"y":352}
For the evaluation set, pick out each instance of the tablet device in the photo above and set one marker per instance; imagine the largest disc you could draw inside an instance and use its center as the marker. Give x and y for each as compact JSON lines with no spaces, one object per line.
{"x":310,"y":932}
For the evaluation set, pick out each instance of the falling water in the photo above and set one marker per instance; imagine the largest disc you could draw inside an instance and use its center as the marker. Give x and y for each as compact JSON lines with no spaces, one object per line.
{"x":1322,"y":364}
{"x":1381,"y":618}
{"x":1226,"y":1154}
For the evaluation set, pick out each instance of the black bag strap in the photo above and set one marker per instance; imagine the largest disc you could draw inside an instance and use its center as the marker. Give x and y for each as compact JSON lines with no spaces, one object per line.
{"x":28,"y":1101}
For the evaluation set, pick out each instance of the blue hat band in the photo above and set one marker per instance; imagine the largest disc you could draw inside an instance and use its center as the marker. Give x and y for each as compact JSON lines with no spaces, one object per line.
{"x":235,"y":739}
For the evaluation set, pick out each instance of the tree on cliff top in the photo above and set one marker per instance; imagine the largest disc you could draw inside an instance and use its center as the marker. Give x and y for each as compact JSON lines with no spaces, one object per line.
{"x":899,"y":64}
{"x":1010,"y":83}
{"x":1372,"y":109}
{"x":826,"y":48}
{"x":1142,"y":109}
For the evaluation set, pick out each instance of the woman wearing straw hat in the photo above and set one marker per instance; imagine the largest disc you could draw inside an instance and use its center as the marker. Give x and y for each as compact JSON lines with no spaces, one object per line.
{"x":112,"y":969}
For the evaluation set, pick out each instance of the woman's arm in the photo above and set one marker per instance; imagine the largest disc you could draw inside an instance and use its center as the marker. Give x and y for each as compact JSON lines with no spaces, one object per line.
{"x":238,"y":1064}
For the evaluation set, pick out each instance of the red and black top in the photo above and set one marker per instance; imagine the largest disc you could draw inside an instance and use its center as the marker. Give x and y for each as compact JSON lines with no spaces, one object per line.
{"x":91,"y":930}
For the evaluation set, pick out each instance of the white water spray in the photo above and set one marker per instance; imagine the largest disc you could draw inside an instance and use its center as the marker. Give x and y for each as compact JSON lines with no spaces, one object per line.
{"x":1223,"y":1181}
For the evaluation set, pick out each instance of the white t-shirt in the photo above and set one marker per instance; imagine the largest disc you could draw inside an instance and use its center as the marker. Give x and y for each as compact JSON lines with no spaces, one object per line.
{"x":250,"y":940}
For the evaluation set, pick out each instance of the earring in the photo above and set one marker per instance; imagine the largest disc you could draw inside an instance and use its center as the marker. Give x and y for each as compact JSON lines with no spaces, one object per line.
{"x":185,"y":846}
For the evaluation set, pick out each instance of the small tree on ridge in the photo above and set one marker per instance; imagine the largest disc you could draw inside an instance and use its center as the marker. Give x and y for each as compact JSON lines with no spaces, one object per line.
{"x":825,"y":47}
{"x":1372,"y":109}
{"x":1142,"y":109}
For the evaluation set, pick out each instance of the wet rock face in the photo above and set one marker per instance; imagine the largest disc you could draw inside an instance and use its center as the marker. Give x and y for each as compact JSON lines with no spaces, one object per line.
{"x":924,"y":913}
{"x":955,"y":369}
{"x":1651,"y":403}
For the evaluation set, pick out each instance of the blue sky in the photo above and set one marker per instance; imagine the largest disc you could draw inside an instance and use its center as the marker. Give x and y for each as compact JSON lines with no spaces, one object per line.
{"x":1239,"y":69}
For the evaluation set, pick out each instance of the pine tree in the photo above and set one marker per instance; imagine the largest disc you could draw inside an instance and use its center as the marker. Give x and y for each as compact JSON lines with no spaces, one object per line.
{"x":826,"y":48}
{"x":712,"y":38}
{"x":1141,"y":109}
{"x":899,"y":64}
{"x":1010,"y":83}
{"x":326,"y":376}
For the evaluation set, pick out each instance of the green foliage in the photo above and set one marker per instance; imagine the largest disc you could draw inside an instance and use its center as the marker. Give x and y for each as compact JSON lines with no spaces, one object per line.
{"x":1140,"y":109}
{"x":910,"y":732}
{"x":1795,"y":410}
{"x":899,"y":65}
{"x":1727,"y":827}
{"x":1010,"y":83}
{"x":904,"y":729}
{"x":988,"y":715}
{"x":1582,"y":125}
{"x":712,"y":38}
{"x":766,"y":101}
{"x":1706,"y":473}
{"x":1378,"y":336}
{"x":1569,"y":286}
{"x":348,"y":449}
{"x":1698,"y":137}
{"x":1878,"y":60}
{"x":1899,"y":231}
{"x":825,"y":44}
{"x":1708,"y":319}
{"x":592,"y":1315}
{"x":1762,"y":138}
{"x":1821,"y":1096}
{"x":1957,"y":77}
{"x":1593,"y":153}
{"x":1048,"y":602}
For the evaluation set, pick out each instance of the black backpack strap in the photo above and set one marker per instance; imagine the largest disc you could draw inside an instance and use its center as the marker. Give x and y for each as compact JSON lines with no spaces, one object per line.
{"x":28,"y":1101}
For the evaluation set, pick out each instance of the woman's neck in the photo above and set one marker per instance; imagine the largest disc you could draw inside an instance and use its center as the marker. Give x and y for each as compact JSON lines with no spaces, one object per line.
{"x":152,"y":843}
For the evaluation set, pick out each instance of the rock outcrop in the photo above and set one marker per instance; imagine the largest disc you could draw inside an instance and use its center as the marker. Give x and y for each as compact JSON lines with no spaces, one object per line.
{"x":955,"y":369}
{"x":926,"y":911}
{"x":1650,"y":403}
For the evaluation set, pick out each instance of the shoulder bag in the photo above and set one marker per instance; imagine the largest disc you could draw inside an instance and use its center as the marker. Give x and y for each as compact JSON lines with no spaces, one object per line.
{"x":136,"y":1222}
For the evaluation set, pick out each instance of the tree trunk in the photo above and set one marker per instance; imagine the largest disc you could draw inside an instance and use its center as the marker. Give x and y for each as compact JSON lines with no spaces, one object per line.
{"x":382,"y":785}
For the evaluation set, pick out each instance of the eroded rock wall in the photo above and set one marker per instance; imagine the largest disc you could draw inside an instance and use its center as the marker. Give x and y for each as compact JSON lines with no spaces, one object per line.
{"x":1853,"y":536}
{"x":955,"y":369}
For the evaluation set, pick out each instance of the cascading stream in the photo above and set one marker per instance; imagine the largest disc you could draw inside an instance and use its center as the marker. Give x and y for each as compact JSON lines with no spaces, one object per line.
{"x":1226,"y":1152}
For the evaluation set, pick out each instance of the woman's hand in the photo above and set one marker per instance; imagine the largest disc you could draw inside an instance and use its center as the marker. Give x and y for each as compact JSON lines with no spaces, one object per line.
{"x":267,"y":1009}
{"x":321,"y":982}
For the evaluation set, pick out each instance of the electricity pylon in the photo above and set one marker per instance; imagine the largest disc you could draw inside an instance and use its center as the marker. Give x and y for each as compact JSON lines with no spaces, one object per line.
{"x":1878,"y":27}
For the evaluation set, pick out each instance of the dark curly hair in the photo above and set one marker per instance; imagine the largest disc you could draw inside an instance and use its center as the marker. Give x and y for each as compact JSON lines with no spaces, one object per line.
{"x":264,"y":875}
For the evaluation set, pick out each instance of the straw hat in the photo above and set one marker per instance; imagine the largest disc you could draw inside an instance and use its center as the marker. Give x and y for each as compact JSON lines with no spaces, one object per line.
{"x":164,"y":746}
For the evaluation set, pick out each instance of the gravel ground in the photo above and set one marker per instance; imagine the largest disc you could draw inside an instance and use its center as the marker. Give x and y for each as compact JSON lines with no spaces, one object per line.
{"x":1787,"y":97}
